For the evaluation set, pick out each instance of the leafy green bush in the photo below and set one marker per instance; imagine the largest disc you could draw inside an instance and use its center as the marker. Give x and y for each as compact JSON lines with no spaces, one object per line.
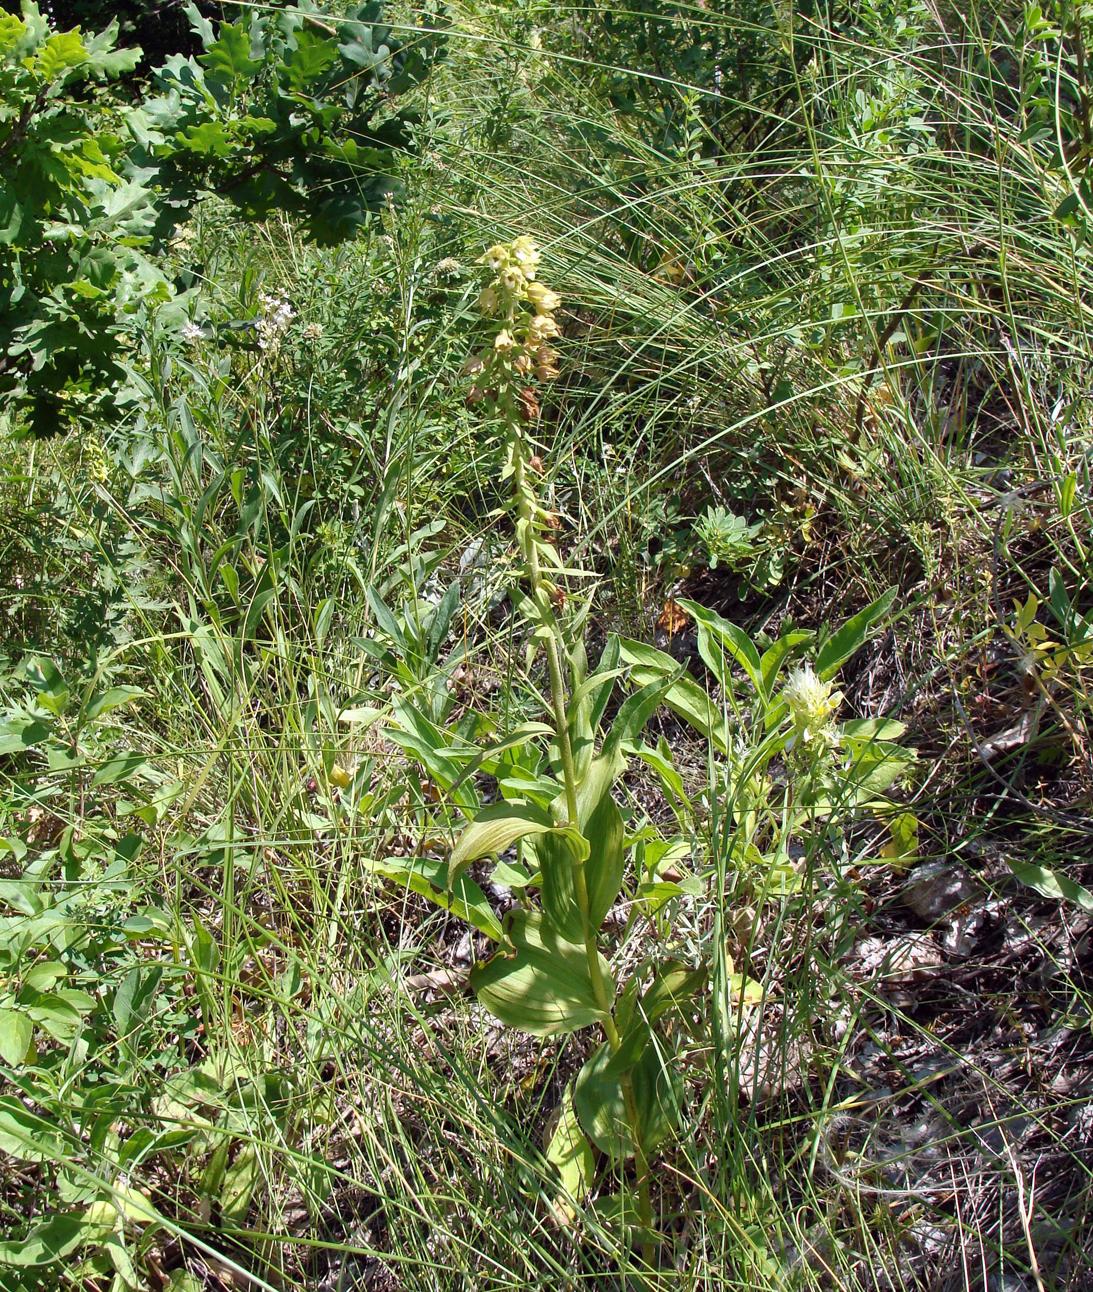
{"x":281,"y":112}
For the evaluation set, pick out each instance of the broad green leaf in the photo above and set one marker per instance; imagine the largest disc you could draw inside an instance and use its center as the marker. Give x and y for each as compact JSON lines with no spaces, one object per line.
{"x":660,"y":760}
{"x":866,"y":729}
{"x":731,"y":638}
{"x":103,"y":702}
{"x":49,"y":684}
{"x":671,"y":989}
{"x":602,"y":682}
{"x":16,"y":1034}
{"x":62,"y":52}
{"x":386,"y":619}
{"x":52,"y":1240}
{"x":116,"y":1250}
{"x":20,"y":734}
{"x":184,"y":1281}
{"x":27,"y":1137}
{"x":312,"y":56}
{"x":600,"y":1102}
{"x":364,"y":716}
{"x":542,"y":985}
{"x":44,"y":975}
{"x":440,"y":621}
{"x":632,"y":716}
{"x":495,"y":829}
{"x":1052,"y":883}
{"x":875,"y":767}
{"x":684,"y":697}
{"x":510,"y":874}
{"x":745,"y":990}
{"x":228,"y":57}
{"x":570,"y":1151}
{"x":515,"y":739}
{"x":655,"y":894}
{"x":60,"y":1017}
{"x":557,"y":857}
{"x":902,"y":846}
{"x":12,"y":31}
{"x":775,"y":656}
{"x":429,"y":878}
{"x":852,"y":635}
{"x":208,"y":139}
{"x":134,"y":999}
{"x":606,"y":857}
{"x":238,"y":1185}
{"x":120,"y":768}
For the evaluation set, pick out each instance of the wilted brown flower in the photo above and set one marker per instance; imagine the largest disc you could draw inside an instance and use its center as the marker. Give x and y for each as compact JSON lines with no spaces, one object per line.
{"x":529,"y":404}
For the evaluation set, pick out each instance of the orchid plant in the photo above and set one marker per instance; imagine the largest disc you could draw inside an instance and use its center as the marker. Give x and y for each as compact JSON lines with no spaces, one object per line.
{"x":551,"y":973}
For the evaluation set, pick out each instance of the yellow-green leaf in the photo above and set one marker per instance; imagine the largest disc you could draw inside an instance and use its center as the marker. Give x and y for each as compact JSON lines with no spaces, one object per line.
{"x":63,"y":51}
{"x":496,"y":828}
{"x":571,"y":1153}
{"x":600,"y":1103}
{"x":542,"y":984}
{"x":428,"y":877}
{"x":16,"y":1034}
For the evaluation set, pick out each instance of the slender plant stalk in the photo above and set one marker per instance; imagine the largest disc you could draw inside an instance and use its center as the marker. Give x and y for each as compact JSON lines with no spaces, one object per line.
{"x":591,"y":945}
{"x":504,"y":364}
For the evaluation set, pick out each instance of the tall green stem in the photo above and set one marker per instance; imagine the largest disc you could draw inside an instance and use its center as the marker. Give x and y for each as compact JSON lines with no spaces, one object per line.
{"x":558,"y":697}
{"x":522,"y":311}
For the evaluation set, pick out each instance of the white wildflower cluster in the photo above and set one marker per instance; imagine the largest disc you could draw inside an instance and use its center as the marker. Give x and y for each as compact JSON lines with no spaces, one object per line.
{"x":312,"y":332}
{"x":524,"y":310}
{"x":449,"y":267}
{"x":274,"y":319}
{"x":193,"y":333}
{"x":812,"y":705}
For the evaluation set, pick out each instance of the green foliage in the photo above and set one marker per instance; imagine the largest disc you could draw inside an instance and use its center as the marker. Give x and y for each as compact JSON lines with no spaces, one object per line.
{"x":98,"y":985}
{"x":825,"y":277}
{"x":279,"y":113}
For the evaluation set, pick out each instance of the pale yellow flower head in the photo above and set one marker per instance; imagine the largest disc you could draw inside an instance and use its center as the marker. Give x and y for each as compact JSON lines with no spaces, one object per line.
{"x":496,"y":257}
{"x":522,"y":314}
{"x":544,"y":300}
{"x":542,"y":328}
{"x":812,"y":705}
{"x":512,"y":279}
{"x":526,"y":255}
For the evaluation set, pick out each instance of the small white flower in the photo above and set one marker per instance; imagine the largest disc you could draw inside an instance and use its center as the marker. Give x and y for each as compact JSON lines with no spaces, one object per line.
{"x":274,"y":320}
{"x":812,"y":704}
{"x":449,"y":267}
{"x":192,"y":333}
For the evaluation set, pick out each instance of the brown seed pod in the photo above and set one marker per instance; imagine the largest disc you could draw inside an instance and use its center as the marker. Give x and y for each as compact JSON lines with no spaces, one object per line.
{"x":529,"y":404}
